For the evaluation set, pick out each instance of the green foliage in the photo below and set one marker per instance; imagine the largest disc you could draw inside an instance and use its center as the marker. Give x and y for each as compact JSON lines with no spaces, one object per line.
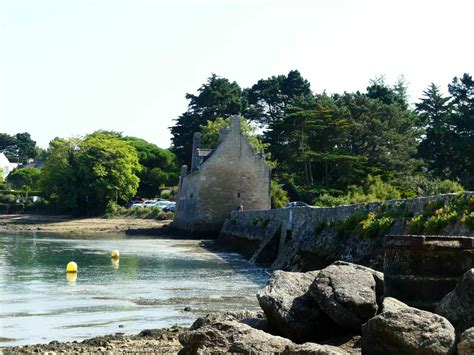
{"x":374,"y":189}
{"x":17,"y":148}
{"x":320,"y":227}
{"x":26,"y":178}
{"x":113,"y":211}
{"x":82,"y":175}
{"x":218,"y":97}
{"x":8,"y":198}
{"x":375,"y":225}
{"x":260,"y":221}
{"x":279,"y":195}
{"x":350,"y":225}
{"x":159,"y":167}
{"x":468,"y":220}
{"x":438,"y":215}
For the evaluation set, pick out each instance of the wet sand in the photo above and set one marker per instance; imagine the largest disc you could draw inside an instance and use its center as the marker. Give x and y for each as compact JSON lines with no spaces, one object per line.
{"x":68,"y":224}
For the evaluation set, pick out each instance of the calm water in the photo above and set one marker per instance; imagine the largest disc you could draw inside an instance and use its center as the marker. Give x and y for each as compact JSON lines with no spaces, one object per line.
{"x":149,"y":287}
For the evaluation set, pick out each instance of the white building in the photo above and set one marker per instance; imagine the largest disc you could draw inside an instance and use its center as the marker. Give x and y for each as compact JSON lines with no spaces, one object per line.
{"x":6,"y":166}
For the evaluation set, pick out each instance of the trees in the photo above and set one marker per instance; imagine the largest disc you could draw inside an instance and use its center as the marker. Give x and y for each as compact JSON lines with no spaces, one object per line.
{"x":448,"y":145}
{"x":218,"y":97}
{"x":27,"y":178}
{"x":82,"y":175}
{"x":268,"y":98}
{"x":18,"y":148}
{"x":159,"y":166}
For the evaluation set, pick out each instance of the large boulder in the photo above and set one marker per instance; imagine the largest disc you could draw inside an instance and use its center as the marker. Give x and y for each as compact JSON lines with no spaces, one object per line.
{"x":458,"y":305}
{"x":400,"y":329}
{"x":466,"y":345}
{"x":231,"y":337}
{"x":348,"y":293}
{"x":291,"y":311}
{"x":239,"y":338}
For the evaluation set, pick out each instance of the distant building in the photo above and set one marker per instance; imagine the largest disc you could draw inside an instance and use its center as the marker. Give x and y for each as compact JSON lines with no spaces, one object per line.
{"x":6,"y":166}
{"x":219,"y":181}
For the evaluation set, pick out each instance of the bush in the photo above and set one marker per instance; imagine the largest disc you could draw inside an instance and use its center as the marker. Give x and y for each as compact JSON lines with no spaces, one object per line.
{"x":279,"y":195}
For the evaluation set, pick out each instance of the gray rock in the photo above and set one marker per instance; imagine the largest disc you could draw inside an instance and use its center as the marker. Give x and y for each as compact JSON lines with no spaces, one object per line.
{"x":231,"y":337}
{"x":313,"y":349}
{"x":252,"y":318}
{"x":466,"y":345}
{"x":400,"y":329}
{"x":290,"y":309}
{"x":458,"y":305}
{"x":348,"y":293}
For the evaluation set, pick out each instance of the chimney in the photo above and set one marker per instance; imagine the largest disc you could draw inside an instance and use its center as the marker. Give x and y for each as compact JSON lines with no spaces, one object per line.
{"x":195,"y":156}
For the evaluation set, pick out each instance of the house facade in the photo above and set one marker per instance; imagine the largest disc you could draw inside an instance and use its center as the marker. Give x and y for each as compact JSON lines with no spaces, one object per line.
{"x":6,"y":166}
{"x":219,"y":181}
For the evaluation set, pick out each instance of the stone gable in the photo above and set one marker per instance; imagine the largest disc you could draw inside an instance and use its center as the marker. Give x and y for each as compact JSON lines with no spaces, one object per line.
{"x":219,"y":181}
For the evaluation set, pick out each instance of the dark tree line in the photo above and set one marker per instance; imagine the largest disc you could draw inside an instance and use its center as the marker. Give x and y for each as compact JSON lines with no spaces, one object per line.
{"x":330,"y":143}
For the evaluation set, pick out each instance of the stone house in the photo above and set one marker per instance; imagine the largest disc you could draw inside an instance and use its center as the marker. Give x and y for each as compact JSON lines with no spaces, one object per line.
{"x":219,"y":181}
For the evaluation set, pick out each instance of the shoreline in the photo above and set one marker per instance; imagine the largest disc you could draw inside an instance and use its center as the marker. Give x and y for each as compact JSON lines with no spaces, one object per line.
{"x":151,"y":341}
{"x":68,"y":224}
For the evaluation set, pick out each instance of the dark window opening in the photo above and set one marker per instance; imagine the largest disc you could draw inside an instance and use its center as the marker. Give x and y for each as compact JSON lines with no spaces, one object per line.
{"x":238,"y":194}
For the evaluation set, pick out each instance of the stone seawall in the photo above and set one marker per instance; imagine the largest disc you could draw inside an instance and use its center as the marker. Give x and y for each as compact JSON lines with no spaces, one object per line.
{"x":286,"y":238}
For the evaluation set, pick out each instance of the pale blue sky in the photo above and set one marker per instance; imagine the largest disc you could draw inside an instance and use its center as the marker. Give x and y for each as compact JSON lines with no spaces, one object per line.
{"x":68,"y":68}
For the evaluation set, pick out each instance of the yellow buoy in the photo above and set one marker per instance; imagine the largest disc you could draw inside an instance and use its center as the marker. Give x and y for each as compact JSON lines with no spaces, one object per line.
{"x":115,"y":254}
{"x":71,"y":267}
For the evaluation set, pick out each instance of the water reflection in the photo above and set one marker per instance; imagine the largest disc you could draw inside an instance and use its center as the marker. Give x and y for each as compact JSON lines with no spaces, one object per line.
{"x":115,"y":263}
{"x":71,"y":278}
{"x":150,"y":286}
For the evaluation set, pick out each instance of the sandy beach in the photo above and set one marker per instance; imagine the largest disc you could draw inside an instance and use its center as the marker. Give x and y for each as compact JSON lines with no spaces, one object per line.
{"x":68,"y":224}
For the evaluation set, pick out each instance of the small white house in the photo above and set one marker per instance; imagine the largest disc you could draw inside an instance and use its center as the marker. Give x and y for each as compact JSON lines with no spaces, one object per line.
{"x":6,"y":166}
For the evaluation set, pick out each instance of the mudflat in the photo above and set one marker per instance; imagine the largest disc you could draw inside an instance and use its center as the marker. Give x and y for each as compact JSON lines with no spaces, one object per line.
{"x":155,"y":341}
{"x":68,"y":224}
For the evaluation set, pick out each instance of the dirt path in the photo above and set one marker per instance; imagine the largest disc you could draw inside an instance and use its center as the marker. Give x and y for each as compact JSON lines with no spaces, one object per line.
{"x":67,"y":224}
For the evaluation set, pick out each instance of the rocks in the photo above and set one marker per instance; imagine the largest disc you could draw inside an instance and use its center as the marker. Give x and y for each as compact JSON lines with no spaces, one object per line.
{"x":466,"y":345}
{"x":347,"y":293}
{"x":231,"y":337}
{"x":290,"y":310}
{"x":254,"y":319}
{"x":458,"y":305}
{"x":400,"y":329}
{"x":313,"y":349}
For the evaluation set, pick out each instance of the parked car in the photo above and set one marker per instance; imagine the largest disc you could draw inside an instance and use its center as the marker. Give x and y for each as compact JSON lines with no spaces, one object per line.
{"x":296,"y":204}
{"x":150,"y":203}
{"x":134,"y":203}
{"x":171,"y":207}
{"x":162,"y":204}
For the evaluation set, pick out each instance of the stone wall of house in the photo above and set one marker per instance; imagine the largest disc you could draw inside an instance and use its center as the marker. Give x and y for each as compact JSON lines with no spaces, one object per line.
{"x":232,"y":175}
{"x":295,"y":246}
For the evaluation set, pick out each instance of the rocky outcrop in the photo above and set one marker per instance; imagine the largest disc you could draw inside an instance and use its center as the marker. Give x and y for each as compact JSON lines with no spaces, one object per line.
{"x":290,"y":309}
{"x":234,"y":337}
{"x":458,"y":305}
{"x":231,"y":337}
{"x":466,"y":345}
{"x":400,"y":329}
{"x":347,"y":293}
{"x":252,"y":318}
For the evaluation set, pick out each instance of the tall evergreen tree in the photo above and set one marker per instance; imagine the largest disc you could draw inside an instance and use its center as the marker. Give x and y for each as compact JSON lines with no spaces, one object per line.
{"x":268,"y":98}
{"x":218,"y":97}
{"x":436,"y":147}
{"x":462,"y":91}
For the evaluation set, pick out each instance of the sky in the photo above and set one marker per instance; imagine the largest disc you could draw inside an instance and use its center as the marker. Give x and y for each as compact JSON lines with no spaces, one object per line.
{"x":68,"y":68}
